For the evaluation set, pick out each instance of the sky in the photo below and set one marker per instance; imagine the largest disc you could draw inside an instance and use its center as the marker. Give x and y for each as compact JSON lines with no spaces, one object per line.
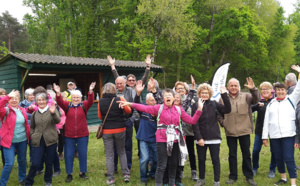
{"x":16,"y":9}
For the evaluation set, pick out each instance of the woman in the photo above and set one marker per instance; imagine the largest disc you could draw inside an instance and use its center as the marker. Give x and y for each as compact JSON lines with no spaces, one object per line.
{"x":76,"y":129}
{"x":44,"y":138}
{"x":113,"y":131}
{"x":2,"y":93}
{"x":279,"y":126}
{"x":29,"y":99}
{"x":168,"y":131}
{"x":266,"y":97}
{"x":207,"y":131}
{"x":183,"y":89}
{"x":14,"y":133}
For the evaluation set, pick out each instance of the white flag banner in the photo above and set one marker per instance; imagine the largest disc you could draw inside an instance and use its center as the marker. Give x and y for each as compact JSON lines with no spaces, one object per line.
{"x":218,"y":80}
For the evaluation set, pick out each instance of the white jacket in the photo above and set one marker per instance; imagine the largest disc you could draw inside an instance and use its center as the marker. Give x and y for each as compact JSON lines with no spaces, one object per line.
{"x":280,"y":116}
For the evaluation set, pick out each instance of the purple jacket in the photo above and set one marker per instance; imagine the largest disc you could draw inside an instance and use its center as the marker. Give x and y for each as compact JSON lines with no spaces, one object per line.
{"x":169,"y":115}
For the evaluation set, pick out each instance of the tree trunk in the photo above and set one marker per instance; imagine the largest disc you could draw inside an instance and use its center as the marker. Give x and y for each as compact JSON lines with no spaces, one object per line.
{"x":179,"y":55}
{"x":223,"y":57}
{"x":70,"y":29}
{"x":9,"y":37}
{"x":208,"y":51}
{"x":155,"y":45}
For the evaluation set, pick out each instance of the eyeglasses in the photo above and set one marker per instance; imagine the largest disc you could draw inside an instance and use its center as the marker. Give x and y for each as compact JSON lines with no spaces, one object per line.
{"x":131,"y":80}
{"x":265,"y":89}
{"x":179,"y":88}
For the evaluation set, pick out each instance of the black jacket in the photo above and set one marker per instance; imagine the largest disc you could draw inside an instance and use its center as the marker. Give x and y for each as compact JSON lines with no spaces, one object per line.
{"x":260,"y":115}
{"x":115,"y":118}
{"x":207,"y":126}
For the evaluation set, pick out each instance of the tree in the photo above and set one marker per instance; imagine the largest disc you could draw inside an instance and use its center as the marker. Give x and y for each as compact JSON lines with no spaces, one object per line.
{"x":13,"y":33}
{"x":3,"y":50}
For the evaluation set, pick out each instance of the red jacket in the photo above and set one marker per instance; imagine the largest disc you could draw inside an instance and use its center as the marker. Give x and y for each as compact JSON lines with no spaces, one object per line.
{"x":8,"y":127}
{"x":76,"y":125}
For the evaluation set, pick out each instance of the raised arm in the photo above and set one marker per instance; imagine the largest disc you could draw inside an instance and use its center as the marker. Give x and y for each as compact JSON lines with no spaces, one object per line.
{"x":147,"y":70}
{"x":187,"y":102}
{"x":112,"y":65}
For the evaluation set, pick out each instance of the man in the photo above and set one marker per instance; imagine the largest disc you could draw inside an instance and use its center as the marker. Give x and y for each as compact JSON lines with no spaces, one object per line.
{"x":70,"y":87}
{"x":238,"y":127}
{"x":290,"y":81}
{"x":146,"y":137}
{"x":128,"y":93}
{"x":131,"y":82}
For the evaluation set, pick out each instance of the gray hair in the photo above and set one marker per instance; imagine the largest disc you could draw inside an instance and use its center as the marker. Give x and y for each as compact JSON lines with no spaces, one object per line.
{"x":149,"y":95}
{"x":233,"y":79}
{"x":156,"y":84}
{"x":291,"y":77}
{"x":28,"y":92}
{"x":109,"y":88}
{"x":167,"y":90}
{"x":42,"y":94}
{"x":179,"y":96}
{"x":76,"y":92}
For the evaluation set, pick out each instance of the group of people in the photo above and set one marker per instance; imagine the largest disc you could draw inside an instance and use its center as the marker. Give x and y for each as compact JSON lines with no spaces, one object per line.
{"x":168,"y":125}
{"x":39,"y":120}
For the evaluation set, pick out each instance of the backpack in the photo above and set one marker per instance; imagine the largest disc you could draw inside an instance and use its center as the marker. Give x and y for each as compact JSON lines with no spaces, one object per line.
{"x":70,"y":105}
{"x":7,"y":110}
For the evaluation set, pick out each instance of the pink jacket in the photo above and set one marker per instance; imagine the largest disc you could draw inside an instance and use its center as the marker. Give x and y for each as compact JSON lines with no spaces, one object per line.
{"x":169,"y":115}
{"x":8,"y":127}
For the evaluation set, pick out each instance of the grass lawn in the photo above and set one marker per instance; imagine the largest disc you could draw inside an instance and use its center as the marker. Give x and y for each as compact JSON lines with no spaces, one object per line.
{"x":97,"y":167}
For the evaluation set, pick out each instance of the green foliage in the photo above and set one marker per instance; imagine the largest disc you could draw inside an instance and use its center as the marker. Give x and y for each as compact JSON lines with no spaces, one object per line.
{"x":184,"y":36}
{"x":3,"y":50}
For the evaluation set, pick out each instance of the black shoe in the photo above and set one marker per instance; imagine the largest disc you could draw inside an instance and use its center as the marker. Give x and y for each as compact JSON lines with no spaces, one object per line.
{"x":22,"y":183}
{"x":280,"y":182}
{"x":84,"y":176}
{"x":69,"y":178}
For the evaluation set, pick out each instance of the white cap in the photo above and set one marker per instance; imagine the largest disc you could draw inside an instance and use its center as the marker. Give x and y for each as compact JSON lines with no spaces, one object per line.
{"x":70,"y":83}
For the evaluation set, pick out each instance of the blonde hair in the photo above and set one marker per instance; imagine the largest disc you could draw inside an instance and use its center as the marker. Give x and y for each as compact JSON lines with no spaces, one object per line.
{"x":186,"y":86}
{"x":205,"y":86}
{"x":266,"y":84}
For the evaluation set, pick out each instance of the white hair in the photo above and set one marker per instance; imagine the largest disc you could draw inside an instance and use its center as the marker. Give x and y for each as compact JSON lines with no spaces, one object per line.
{"x":76,"y":92}
{"x":149,"y":95}
{"x":291,"y":77}
{"x":28,"y":92}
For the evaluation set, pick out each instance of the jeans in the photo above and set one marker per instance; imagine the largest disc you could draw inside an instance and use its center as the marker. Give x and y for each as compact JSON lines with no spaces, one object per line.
{"x":70,"y":146}
{"x":255,"y":154}
{"x":214,"y":150}
{"x":128,"y":146}
{"x":147,"y":149}
{"x":56,"y":165}
{"x":9,"y":156}
{"x":48,"y":152}
{"x":163,"y":160}
{"x":284,"y":153}
{"x":119,"y":140}
{"x":30,"y":150}
{"x":244,"y":142}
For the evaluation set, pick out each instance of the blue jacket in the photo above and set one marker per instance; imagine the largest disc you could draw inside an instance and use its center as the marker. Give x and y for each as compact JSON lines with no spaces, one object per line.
{"x":24,"y":104}
{"x":147,"y":128}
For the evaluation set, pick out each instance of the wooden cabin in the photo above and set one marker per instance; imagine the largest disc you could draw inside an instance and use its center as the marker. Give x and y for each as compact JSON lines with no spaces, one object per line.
{"x":21,"y":71}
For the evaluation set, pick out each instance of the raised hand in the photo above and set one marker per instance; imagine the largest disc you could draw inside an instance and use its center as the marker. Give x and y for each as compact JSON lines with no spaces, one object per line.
{"x":193,"y":83}
{"x":111,"y":60}
{"x":52,"y":108}
{"x":56,"y":88}
{"x":223,"y":89}
{"x":296,"y":68}
{"x":92,"y":86}
{"x":151,"y":85}
{"x":148,"y":60}
{"x":200,"y":104}
{"x":250,"y":83}
{"x":139,"y":87}
{"x":13,"y":93}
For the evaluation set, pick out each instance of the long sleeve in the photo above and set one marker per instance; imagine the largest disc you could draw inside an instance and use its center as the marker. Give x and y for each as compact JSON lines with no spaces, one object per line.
{"x":265,"y":132}
{"x":61,"y":103}
{"x":115,"y":73}
{"x":158,"y":97}
{"x":56,"y":117}
{"x":3,"y":102}
{"x":89,"y":102}
{"x":196,"y":129}
{"x":255,"y":95}
{"x":187,"y":102}
{"x":188,"y":119}
{"x":145,"y":77}
{"x":146,"y":108}
{"x":226,"y":108}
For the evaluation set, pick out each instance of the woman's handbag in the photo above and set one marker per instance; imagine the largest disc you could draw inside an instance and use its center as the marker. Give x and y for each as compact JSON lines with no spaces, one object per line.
{"x":100,"y":128}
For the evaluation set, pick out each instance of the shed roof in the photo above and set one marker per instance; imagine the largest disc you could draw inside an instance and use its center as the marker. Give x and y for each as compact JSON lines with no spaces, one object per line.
{"x":66,"y":60}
